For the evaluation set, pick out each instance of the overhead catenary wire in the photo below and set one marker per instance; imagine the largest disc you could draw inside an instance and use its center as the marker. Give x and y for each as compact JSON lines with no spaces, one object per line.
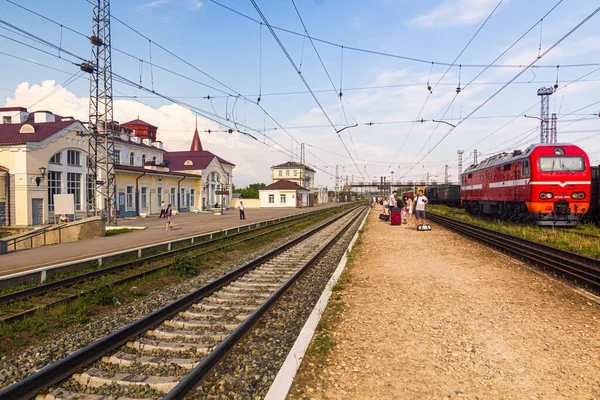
{"x":559,"y":41}
{"x":304,"y":81}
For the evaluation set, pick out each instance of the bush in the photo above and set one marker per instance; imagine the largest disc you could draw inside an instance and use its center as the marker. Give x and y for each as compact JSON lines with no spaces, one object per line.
{"x":184,"y":266}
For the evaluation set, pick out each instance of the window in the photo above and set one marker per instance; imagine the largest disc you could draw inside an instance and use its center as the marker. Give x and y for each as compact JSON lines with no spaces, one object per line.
{"x":192,"y":195}
{"x":143,"y":159}
{"x":132,"y":158}
{"x":55,"y":159}
{"x":561,"y":164}
{"x":144,"y":197}
{"x":280,"y":172}
{"x":53,"y":187}
{"x":282,"y":198}
{"x":129,"y":197}
{"x":295,"y":172}
{"x":7,"y":120}
{"x":73,"y":157}
{"x":154,"y":159}
{"x":287,"y":172}
{"x":182,"y":197}
{"x":506,"y":167}
{"x":173,"y":194}
{"x":271,"y":198}
{"x":118,"y":156}
{"x":159,"y":196}
{"x":74,"y":187}
{"x":525,"y":167}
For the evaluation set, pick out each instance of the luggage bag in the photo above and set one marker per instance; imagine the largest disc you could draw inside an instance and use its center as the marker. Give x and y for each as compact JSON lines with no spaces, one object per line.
{"x":396,"y":216}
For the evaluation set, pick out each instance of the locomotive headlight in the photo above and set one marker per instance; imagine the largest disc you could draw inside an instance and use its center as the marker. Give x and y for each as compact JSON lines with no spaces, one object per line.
{"x":578,"y":195}
{"x":546,"y":195}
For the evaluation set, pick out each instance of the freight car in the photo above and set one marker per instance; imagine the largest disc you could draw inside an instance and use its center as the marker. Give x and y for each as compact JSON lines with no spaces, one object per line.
{"x":443,"y":194}
{"x":547,"y":183}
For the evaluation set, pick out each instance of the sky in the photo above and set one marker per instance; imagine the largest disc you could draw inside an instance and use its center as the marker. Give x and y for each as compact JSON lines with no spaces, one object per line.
{"x":211,"y":63}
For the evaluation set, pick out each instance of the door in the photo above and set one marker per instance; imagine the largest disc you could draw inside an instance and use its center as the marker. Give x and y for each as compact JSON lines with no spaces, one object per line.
{"x":37,"y":211}
{"x":187,"y":200}
{"x":121,"y":204}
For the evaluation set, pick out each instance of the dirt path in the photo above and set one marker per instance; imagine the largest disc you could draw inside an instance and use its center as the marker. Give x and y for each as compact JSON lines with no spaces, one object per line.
{"x":432,"y":315}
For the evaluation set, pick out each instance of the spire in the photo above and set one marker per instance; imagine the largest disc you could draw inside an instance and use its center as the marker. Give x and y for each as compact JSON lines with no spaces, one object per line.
{"x":196,"y":145}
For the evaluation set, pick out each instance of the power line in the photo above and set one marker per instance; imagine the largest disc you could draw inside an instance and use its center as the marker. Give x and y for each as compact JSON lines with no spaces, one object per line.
{"x":304,"y":81}
{"x":406,"y":58}
{"x":510,"y":81}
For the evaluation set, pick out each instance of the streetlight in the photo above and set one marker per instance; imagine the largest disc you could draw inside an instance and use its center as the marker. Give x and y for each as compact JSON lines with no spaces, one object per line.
{"x":392,"y":183}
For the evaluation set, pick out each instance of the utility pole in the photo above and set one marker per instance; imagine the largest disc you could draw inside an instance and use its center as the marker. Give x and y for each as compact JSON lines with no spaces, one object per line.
{"x":302,"y":161}
{"x":337,"y":168}
{"x":101,"y":127}
{"x":553,"y":132}
{"x":427,"y":179}
{"x":545,"y":93}
{"x":446,"y":174}
{"x":460,"y":153}
{"x":475,"y":156}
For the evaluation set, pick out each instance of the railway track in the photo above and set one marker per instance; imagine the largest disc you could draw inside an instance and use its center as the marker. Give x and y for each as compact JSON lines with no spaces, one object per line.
{"x":572,"y":266}
{"x":166,"y":353}
{"x":18,"y":305}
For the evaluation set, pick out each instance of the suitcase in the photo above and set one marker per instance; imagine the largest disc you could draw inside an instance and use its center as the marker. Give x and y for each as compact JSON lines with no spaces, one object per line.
{"x":383,"y":217}
{"x":396,"y":217}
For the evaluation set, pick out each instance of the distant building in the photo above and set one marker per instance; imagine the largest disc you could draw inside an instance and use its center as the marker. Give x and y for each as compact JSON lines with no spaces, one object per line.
{"x":283,"y":193}
{"x":296,"y":172}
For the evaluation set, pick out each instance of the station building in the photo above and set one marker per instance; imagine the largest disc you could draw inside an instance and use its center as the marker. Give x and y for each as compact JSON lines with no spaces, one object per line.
{"x":284,"y":193}
{"x":42,"y":154}
{"x":295,"y":172}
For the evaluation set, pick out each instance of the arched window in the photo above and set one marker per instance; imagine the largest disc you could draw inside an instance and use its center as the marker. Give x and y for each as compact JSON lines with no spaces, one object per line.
{"x":55,"y":159}
{"x":132,"y":158}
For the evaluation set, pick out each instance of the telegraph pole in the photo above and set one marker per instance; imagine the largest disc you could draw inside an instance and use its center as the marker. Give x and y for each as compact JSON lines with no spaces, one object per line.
{"x":475,"y":156}
{"x":446,"y":174}
{"x":553,"y":133}
{"x":545,"y":93}
{"x":460,"y":153}
{"x":101,"y":150}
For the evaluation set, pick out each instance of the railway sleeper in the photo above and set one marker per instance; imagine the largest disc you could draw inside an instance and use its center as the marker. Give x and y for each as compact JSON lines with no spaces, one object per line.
{"x":192,"y":323}
{"x":226,"y":293}
{"x":246,"y":284}
{"x":186,"y":334}
{"x":96,"y":378}
{"x":126,"y":359}
{"x":220,"y":307}
{"x":148,"y":345}
{"x":230,"y":301}
{"x":193,"y":314}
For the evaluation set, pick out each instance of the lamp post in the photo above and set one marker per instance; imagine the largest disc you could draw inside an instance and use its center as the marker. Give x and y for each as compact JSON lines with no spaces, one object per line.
{"x":392,"y":183}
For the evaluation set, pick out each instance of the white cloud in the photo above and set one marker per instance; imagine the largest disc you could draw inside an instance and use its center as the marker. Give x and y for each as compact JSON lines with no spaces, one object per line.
{"x":188,"y":4}
{"x":154,"y":3}
{"x":455,"y":12}
{"x":176,"y":127}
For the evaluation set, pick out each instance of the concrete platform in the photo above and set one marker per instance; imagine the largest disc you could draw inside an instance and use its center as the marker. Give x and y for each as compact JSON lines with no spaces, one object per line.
{"x":184,"y":225}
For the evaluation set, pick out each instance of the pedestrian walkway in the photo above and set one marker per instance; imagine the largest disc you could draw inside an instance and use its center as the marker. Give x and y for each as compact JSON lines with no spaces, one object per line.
{"x":187,"y":224}
{"x":432,"y":315}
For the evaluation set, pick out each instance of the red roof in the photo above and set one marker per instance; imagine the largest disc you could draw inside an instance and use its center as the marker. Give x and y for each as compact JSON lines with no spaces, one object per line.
{"x":139,"y":122}
{"x":196,"y":145}
{"x":199,"y":159}
{"x":283,"y":185}
{"x":13,"y":109}
{"x":9,"y":133}
{"x":120,"y":167}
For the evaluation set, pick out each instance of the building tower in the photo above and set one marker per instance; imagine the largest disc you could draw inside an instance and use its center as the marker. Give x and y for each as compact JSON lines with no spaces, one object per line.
{"x":460,"y":153}
{"x":545,"y":93}
{"x":101,"y":155}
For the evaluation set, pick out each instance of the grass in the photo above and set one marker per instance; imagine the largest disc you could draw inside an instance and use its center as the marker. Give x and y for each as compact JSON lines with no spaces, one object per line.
{"x":114,"y":232}
{"x":564,"y":238}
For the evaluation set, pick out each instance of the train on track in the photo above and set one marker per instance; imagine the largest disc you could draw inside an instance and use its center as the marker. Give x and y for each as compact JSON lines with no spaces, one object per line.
{"x":550,"y":184}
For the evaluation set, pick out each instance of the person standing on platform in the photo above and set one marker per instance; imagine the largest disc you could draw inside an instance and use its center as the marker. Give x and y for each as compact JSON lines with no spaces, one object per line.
{"x":163,"y":208}
{"x":409,"y":206}
{"x":169,"y":217}
{"x":392,"y":200}
{"x":420,"y":202}
{"x":242,"y":213}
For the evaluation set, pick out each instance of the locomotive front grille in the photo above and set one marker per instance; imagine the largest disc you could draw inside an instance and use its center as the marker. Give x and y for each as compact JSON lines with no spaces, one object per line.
{"x":561,"y":207}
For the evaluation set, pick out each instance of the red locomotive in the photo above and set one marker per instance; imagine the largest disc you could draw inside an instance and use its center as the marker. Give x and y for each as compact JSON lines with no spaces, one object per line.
{"x":548,"y":183}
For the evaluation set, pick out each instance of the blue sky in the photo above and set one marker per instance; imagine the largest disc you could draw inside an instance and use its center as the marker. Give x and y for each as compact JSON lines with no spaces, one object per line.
{"x":226,"y":46}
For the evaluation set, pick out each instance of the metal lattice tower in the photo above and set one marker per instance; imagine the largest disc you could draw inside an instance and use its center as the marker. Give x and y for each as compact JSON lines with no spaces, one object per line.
{"x":446,"y":174}
{"x":545,"y":93}
{"x":460,"y":153}
{"x":553,"y":132}
{"x":101,"y":155}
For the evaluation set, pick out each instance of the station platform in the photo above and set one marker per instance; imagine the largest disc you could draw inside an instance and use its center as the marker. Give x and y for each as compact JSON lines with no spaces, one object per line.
{"x":185,"y":224}
{"x":433,"y":315}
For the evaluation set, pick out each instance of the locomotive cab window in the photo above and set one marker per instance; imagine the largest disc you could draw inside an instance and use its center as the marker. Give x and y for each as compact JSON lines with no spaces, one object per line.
{"x":562,"y":164}
{"x":507,"y":167}
{"x":525,"y":167}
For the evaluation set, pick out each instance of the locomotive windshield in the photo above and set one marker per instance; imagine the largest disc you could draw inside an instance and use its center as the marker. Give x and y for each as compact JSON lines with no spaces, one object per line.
{"x":562,"y":164}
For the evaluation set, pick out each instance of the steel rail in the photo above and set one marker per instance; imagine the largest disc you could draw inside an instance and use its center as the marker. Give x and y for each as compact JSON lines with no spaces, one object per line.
{"x":189,"y":382}
{"x":53,"y":373}
{"x":583,"y":269}
{"x":46,"y":287}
